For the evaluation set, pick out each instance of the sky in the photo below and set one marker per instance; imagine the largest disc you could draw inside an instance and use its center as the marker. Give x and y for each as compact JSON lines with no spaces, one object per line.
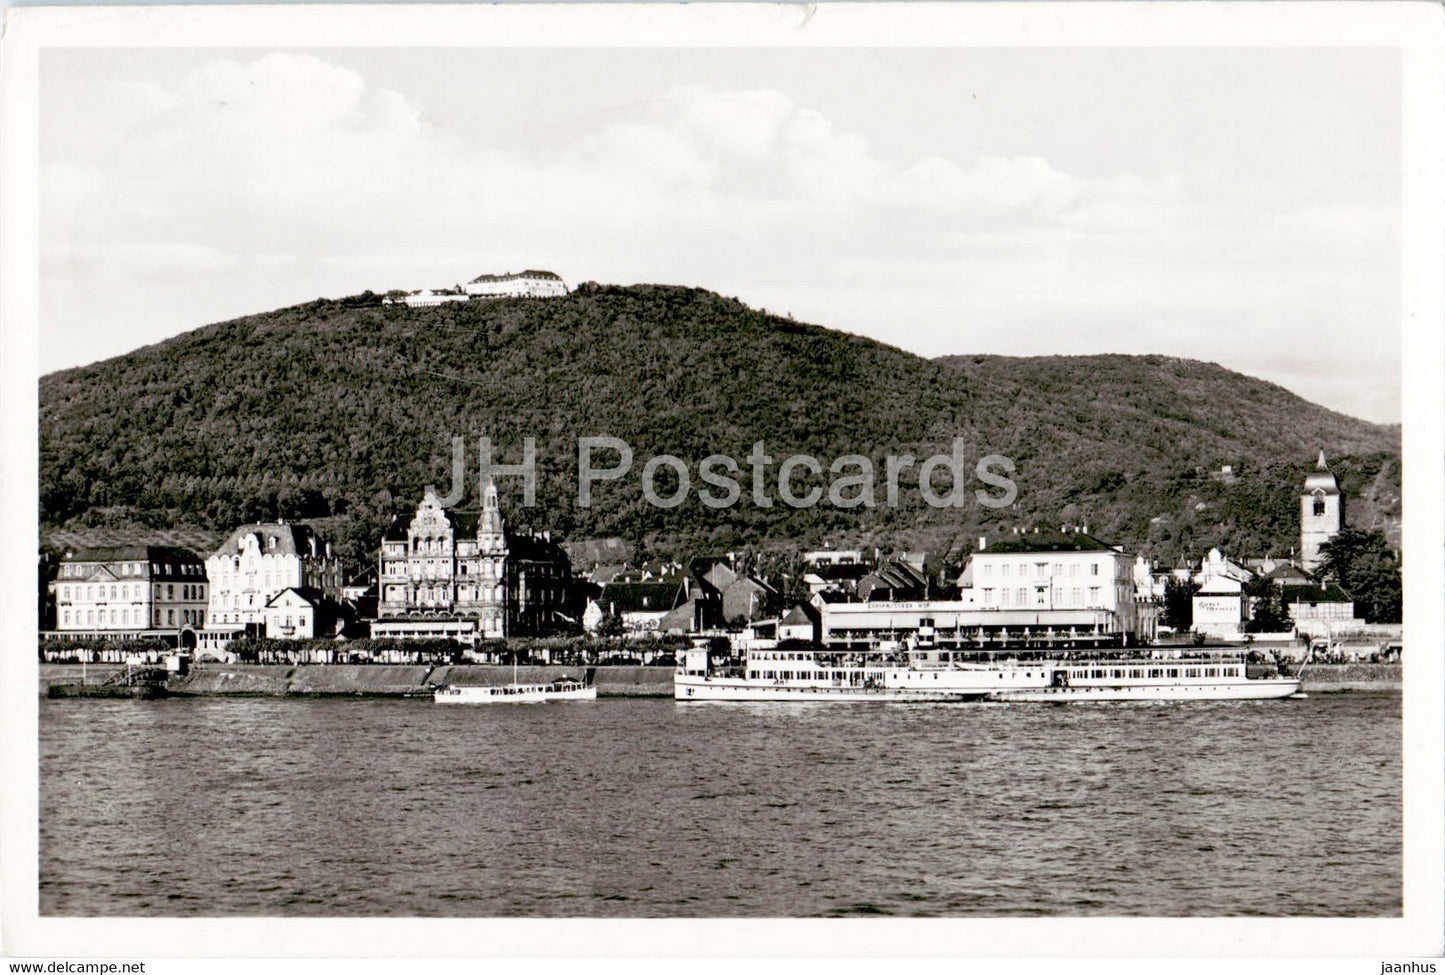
{"x":1240,"y":206}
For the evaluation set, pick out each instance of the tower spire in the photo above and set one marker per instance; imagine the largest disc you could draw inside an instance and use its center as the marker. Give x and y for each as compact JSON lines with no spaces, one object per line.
{"x":1320,"y":464}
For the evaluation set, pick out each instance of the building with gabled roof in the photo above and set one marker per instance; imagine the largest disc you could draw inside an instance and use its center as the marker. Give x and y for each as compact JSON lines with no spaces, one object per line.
{"x":258,"y":561}
{"x":526,"y":284}
{"x":893,"y":581}
{"x":641,"y":605}
{"x":301,"y":613}
{"x":130,"y":590}
{"x":466,"y":576}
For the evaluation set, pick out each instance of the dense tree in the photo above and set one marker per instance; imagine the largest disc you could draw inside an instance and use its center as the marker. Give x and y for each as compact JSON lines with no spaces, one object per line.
{"x":1178,"y":609}
{"x":1363,"y":565}
{"x":1268,"y":612}
{"x":342,"y":408}
{"x":610,"y":626}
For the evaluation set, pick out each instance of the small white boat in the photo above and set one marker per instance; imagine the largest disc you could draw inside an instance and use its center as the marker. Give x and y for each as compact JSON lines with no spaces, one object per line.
{"x":562,"y":689}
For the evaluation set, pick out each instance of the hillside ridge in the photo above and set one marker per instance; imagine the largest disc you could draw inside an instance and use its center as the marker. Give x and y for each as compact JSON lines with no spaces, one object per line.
{"x":343,"y":410}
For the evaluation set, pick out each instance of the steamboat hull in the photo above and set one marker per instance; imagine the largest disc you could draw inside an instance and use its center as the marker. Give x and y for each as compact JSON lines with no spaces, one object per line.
{"x":1246,"y":690}
{"x":512,"y":695}
{"x":725,"y":689}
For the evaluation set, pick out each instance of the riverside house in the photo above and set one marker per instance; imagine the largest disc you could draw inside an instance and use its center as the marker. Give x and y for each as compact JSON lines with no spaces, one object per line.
{"x":130,"y":592}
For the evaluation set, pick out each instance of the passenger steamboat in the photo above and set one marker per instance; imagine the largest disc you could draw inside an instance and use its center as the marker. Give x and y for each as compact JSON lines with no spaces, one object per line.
{"x":903,"y":674}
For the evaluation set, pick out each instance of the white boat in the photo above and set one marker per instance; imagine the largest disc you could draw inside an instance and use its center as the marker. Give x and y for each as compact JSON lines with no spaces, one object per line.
{"x":811,"y":674}
{"x":561,"y":689}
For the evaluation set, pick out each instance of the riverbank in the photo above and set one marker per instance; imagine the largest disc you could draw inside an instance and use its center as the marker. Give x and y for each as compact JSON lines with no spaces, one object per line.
{"x":419,"y":680}
{"x":348,"y":680}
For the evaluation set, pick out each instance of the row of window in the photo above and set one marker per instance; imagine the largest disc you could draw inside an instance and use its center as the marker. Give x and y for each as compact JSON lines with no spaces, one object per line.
{"x":124,"y":591}
{"x":432,"y":569}
{"x":125,"y":617}
{"x":1040,"y":569}
{"x":1021,"y":597}
{"x":78,"y":570}
{"x":839,"y":675}
{"x":1152,"y":672}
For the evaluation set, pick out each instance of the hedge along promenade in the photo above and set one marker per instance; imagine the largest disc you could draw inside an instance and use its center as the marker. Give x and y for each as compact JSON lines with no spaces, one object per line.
{"x":579,"y":650}
{"x":401,"y":680}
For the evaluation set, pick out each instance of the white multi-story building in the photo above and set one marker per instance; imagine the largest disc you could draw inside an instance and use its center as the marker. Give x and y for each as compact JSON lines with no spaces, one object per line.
{"x":257,"y":563}
{"x":528,"y":284}
{"x":1050,"y":590}
{"x":466,"y":576}
{"x":140,"y":590}
{"x":1056,"y":572}
{"x":429,"y":299}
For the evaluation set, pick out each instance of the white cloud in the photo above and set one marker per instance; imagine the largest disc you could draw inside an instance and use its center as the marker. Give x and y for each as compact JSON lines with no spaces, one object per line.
{"x":289,"y":176}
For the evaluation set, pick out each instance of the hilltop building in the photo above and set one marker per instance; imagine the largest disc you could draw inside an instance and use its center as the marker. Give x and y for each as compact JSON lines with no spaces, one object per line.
{"x":1322,"y":513}
{"x":528,"y":284}
{"x":466,"y":576}
{"x":430,"y":299}
{"x":255,"y":564}
{"x":130,"y":591}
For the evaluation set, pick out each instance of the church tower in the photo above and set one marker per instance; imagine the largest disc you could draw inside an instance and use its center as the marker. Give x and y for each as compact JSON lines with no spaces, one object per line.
{"x":1322,"y":513}
{"x":492,"y":565}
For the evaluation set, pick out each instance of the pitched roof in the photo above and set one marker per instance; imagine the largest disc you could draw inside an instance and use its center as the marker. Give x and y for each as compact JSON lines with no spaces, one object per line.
{"x":1331,"y":593}
{"x":1286,"y":571}
{"x":745,"y":597}
{"x":280,"y":538}
{"x":841,"y":571}
{"x":797,"y":616}
{"x":535,"y":548}
{"x":642,"y":597}
{"x":163,"y":554}
{"x":1320,"y":479}
{"x":548,"y":275}
{"x":309,"y":594}
{"x":682,"y":618}
{"x":1048,"y":541}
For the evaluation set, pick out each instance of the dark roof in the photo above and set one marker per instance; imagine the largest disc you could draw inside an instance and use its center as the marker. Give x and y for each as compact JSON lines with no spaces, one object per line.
{"x":835,"y":596}
{"x":1047,"y":541}
{"x":1314,"y":594}
{"x":799,"y":615}
{"x":840,"y":571}
{"x":535,"y":548}
{"x":311,"y":594}
{"x":549,"y":275}
{"x":1286,"y":571}
{"x":291,"y":539}
{"x":162,"y":554}
{"x":520,"y":545}
{"x":1320,"y":479}
{"x":642,"y":597}
{"x":463,"y":523}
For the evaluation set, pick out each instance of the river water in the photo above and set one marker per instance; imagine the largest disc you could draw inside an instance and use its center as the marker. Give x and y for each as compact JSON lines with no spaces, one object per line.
{"x":647,"y":808}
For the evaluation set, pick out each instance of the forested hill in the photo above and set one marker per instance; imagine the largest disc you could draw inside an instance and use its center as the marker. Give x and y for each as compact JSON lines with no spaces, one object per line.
{"x":343,"y":410}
